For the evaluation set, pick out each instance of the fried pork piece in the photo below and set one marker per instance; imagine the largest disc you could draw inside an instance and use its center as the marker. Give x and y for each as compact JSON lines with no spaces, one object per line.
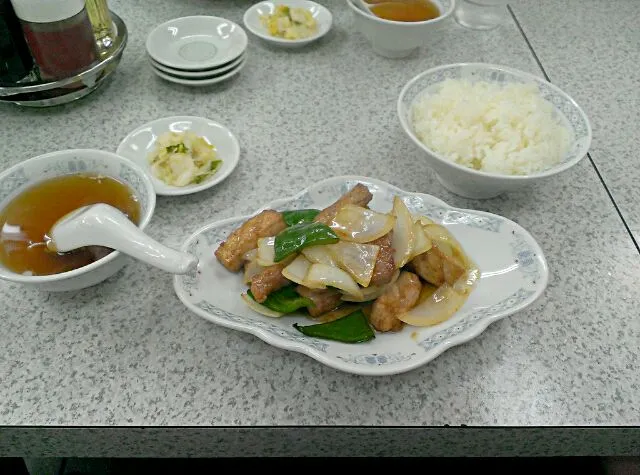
{"x":436,"y":267}
{"x":324,"y":300}
{"x":385,"y":265}
{"x":267,"y":281}
{"x":428,"y":266}
{"x":359,"y":196}
{"x":398,"y":298}
{"x":230,"y":253}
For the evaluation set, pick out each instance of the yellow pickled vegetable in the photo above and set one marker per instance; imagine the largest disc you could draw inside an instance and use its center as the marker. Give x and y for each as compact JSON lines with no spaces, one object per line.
{"x":183,"y":158}
{"x":290,"y":23}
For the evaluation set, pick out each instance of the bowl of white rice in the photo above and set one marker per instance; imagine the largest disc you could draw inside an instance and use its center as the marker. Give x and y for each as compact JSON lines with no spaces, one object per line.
{"x":488,"y":129}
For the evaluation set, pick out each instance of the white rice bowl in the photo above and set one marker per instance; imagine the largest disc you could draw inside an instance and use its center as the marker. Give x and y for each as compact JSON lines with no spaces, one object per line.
{"x":505,"y":129}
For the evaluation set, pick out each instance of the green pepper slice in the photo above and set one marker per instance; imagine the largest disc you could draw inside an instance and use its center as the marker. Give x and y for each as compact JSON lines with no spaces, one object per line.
{"x":180,"y":148}
{"x":353,"y":328}
{"x":299,"y":216}
{"x":295,"y":238}
{"x":285,"y":300}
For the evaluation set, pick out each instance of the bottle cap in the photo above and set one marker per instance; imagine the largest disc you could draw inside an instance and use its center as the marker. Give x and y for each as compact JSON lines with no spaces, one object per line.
{"x":46,"y":11}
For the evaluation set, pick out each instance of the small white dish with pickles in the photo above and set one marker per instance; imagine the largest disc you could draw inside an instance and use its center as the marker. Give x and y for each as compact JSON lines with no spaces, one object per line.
{"x":182,"y":154}
{"x":288,"y":23}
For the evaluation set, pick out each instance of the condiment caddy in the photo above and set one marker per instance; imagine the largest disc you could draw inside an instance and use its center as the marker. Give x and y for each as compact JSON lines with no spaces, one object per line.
{"x":15,"y":58}
{"x":62,"y":49}
{"x":55,"y":29}
{"x":35,"y":92}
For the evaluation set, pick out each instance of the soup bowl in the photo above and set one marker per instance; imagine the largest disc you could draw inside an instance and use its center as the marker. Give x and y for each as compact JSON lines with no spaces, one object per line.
{"x":35,"y":170}
{"x":398,"y":39}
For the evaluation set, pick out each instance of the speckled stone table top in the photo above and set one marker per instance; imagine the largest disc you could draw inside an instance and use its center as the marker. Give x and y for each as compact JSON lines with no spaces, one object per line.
{"x":127,"y":353}
{"x":592,"y":51}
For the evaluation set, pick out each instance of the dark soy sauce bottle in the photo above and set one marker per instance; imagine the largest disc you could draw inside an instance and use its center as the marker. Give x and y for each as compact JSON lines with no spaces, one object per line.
{"x":15,"y":59}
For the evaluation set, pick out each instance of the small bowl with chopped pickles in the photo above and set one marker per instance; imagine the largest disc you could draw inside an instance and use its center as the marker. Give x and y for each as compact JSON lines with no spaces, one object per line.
{"x":182,"y":154}
{"x":288,"y":23}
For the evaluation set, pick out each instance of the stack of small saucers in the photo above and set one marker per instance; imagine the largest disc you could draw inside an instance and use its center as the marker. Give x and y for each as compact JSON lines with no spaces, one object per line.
{"x":197,"y":50}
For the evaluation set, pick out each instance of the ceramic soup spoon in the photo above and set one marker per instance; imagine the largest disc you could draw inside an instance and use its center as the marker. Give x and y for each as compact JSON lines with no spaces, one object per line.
{"x":104,"y":225}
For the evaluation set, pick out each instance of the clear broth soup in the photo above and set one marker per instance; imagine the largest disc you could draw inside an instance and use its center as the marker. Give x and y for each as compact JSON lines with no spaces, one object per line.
{"x":27,"y":218}
{"x":404,"y":10}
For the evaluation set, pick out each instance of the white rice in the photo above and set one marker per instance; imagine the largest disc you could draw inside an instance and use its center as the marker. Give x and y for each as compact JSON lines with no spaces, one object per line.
{"x":506,"y":129}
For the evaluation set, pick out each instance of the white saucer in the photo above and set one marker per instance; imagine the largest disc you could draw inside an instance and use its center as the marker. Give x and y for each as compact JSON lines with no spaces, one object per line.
{"x":321,"y":14}
{"x":198,"y":74}
{"x":139,"y":143}
{"x":196,"y":42}
{"x":209,"y":80}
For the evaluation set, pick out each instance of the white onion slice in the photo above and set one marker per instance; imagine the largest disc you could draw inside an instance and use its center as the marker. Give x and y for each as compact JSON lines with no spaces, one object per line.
{"x":251,"y":255}
{"x":251,"y":269}
{"x":319,"y":255}
{"x":358,"y":224}
{"x":372,"y":292}
{"x":338,"y":313}
{"x":403,"y":237}
{"x":261,"y":309}
{"x":467,"y":281}
{"x":421,"y":243}
{"x":437,"y":232}
{"x":438,"y":308}
{"x":251,"y":265}
{"x":297,"y":271}
{"x":357,"y":259}
{"x":266,"y":251}
{"x":328,"y":276}
{"x":447,"y":244}
{"x":426,"y":292}
{"x":423,"y":220}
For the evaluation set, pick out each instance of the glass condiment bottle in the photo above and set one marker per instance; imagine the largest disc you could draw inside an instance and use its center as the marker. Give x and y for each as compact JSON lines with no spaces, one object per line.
{"x":15,"y":58}
{"x":59,"y":35}
{"x":102,"y":23}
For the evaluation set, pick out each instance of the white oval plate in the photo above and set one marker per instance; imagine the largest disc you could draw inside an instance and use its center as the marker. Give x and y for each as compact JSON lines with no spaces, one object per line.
{"x":321,"y":14}
{"x":139,"y":143}
{"x":196,"y":42}
{"x":198,"y":74}
{"x":513,"y":275}
{"x":214,"y":79}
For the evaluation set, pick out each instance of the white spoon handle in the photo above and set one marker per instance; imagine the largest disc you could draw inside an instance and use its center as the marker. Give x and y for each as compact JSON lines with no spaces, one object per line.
{"x":104,"y":225}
